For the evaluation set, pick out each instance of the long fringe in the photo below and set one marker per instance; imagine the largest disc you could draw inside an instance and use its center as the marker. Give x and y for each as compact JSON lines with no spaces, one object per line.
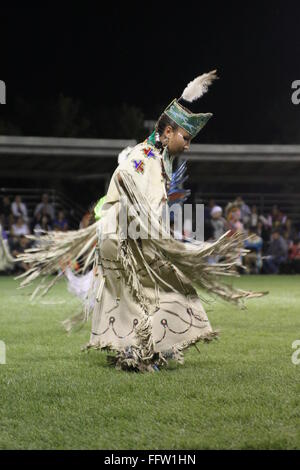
{"x":191,"y":260}
{"x":53,"y":252}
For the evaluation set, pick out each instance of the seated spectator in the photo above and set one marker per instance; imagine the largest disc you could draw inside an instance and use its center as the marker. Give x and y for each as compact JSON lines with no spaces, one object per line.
{"x":218,"y":222}
{"x":36,"y":220}
{"x":245,"y":211}
{"x":18,"y":246}
{"x":39,"y":216}
{"x":254,"y":218}
{"x":19,"y":228}
{"x":18,"y":208}
{"x":253,"y":260}
{"x":61,"y":223}
{"x":266,"y":221}
{"x":277,"y":253}
{"x":294,"y":257}
{"x":42,"y":225}
{"x":277,"y":218}
{"x":233,"y":216}
{"x":45,"y":207}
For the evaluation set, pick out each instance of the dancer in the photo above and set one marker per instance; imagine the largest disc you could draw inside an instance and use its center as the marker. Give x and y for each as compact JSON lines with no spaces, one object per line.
{"x":145,"y":304}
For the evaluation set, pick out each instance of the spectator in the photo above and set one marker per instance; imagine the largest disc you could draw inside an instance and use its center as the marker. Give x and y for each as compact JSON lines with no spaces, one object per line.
{"x":277,"y":218}
{"x":18,"y":246}
{"x":45,"y":207}
{"x":245,"y":211}
{"x":85,"y":221}
{"x":253,"y":260}
{"x":18,"y":208}
{"x":42,"y":225}
{"x":19,"y":228}
{"x":61,"y":223}
{"x":253,"y":217}
{"x":233,"y":216}
{"x":218,"y":222}
{"x":266,"y":221}
{"x":277,"y":253}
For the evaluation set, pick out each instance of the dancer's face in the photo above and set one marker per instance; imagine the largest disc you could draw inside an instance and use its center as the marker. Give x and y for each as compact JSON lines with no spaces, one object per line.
{"x":178,"y":140}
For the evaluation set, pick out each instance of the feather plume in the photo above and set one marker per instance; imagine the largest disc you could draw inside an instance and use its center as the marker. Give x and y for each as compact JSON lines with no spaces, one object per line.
{"x":197,"y":87}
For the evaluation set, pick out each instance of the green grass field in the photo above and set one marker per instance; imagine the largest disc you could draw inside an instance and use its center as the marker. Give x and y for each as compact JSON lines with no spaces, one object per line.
{"x":240,"y":392}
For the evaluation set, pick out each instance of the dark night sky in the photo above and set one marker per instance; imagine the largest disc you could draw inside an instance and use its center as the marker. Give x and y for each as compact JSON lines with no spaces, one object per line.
{"x":146,"y":56}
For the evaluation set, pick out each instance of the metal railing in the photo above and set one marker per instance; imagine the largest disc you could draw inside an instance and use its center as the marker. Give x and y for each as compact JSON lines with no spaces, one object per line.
{"x":287,"y":202}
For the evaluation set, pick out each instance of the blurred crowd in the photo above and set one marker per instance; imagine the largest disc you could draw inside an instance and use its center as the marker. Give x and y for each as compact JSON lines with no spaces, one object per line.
{"x":273,"y":242}
{"x":16,"y":222}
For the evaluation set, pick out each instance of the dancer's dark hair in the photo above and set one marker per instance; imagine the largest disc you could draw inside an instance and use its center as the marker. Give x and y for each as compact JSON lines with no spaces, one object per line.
{"x":160,"y":126}
{"x":163,"y":122}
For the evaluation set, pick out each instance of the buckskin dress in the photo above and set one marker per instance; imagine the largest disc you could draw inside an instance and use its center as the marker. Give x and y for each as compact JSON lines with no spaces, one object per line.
{"x":147,"y":308}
